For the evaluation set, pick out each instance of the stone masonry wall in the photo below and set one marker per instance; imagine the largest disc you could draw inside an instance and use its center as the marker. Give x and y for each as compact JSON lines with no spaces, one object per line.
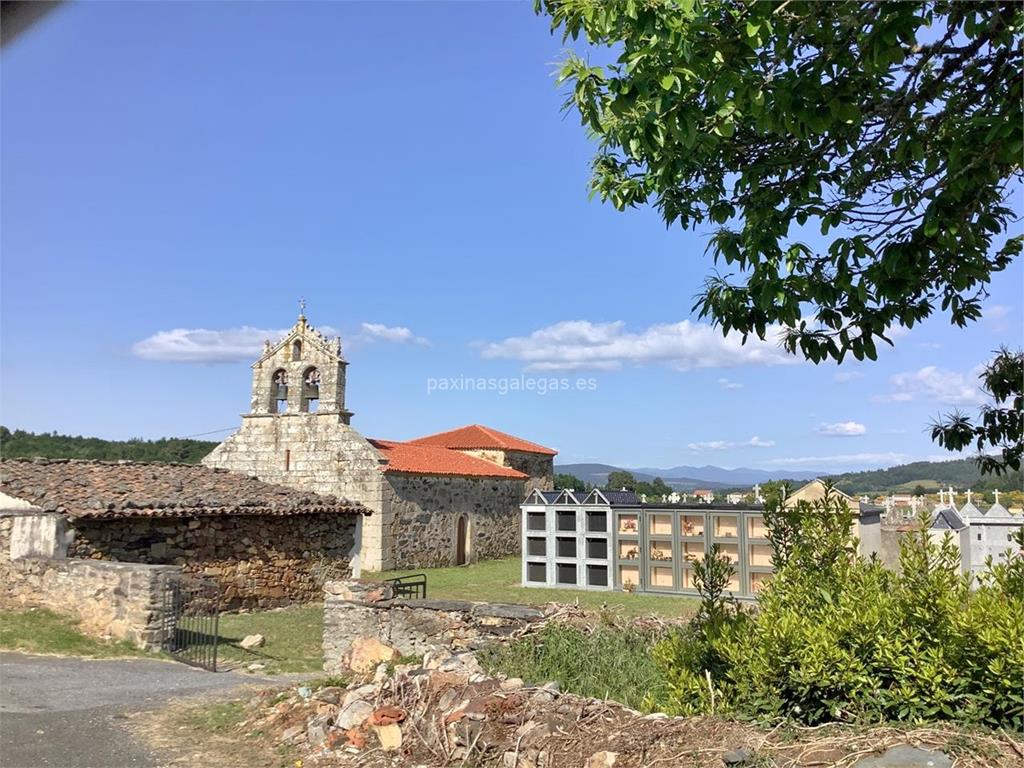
{"x":119,"y":601}
{"x":424,"y":511}
{"x":539,"y":467}
{"x":259,"y":561}
{"x":313,"y":452}
{"x":355,"y":610}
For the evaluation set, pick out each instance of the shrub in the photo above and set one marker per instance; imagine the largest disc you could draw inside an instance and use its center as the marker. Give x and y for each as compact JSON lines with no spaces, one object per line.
{"x":608,"y":662}
{"x":838,"y":637}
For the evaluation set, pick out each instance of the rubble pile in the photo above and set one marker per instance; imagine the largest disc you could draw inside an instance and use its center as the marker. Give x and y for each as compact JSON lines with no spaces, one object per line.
{"x":445,"y":711}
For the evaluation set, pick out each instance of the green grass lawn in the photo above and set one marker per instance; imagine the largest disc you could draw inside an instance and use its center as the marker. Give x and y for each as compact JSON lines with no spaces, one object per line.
{"x":41,"y":631}
{"x":293,"y":638}
{"x":498,"y":581}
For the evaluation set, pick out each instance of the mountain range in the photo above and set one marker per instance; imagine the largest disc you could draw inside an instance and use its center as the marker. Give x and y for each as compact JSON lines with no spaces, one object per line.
{"x":686,"y":478}
{"x":914,"y":477}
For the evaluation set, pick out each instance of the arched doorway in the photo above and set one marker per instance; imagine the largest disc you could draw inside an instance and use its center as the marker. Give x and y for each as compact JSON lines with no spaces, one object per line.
{"x":462,"y":540}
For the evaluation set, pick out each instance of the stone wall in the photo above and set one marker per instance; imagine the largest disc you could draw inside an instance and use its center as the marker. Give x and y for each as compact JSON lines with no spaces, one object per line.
{"x":424,"y":512}
{"x":259,"y":561}
{"x":119,"y":601}
{"x":539,"y":467}
{"x":355,"y":610}
{"x":313,"y":452}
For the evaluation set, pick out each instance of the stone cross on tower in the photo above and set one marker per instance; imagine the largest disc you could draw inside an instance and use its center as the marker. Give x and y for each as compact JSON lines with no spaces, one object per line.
{"x":302,"y":307}
{"x":996,"y":494}
{"x":942,"y":498}
{"x":969,"y":494}
{"x":951,"y":496}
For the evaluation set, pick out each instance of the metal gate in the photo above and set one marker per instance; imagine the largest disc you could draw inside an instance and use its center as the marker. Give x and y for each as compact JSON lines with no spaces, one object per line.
{"x":191,"y":613}
{"x":413,"y":586}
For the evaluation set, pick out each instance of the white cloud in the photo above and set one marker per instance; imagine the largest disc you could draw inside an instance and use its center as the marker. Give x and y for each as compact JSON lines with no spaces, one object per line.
{"x":727,"y":384}
{"x":936,"y":384}
{"x":858,"y":459}
{"x":722,"y":445}
{"x":996,"y":315}
{"x":581,"y":344}
{"x":844,"y":376}
{"x":397,"y":334}
{"x":204,"y":345}
{"x":842,"y":429}
{"x":201,"y":345}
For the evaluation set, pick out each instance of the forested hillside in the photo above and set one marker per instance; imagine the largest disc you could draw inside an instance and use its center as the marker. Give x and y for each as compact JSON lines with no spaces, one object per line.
{"x":21,"y":444}
{"x":930,"y":475}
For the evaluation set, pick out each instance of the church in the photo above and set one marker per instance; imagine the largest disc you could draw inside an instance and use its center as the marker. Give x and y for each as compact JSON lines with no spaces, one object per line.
{"x":444,"y":499}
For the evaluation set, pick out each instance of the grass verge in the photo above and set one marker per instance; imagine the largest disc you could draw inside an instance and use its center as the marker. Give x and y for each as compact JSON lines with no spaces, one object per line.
{"x":498,"y":581}
{"x":38,"y":630}
{"x":609,"y":663}
{"x":294,"y":638}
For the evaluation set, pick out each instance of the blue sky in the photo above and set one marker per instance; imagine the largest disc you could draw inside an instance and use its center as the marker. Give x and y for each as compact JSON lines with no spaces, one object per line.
{"x":176,"y":167}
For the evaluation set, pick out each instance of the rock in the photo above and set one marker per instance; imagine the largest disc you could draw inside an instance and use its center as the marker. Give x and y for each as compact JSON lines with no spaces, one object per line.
{"x":906,"y":756}
{"x":252,"y":641}
{"x":316,"y":730}
{"x":366,"y":653}
{"x":512,"y":684}
{"x":354,"y":715}
{"x":602,"y":759}
{"x":255,"y":667}
{"x":305,"y":692}
{"x":381,"y":674}
{"x":291,"y":733}
{"x":331,"y":694}
{"x":737,"y":756}
{"x":390,"y":737}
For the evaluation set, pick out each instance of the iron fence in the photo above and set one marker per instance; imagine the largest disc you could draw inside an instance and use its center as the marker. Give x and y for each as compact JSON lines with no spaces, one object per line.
{"x":191,"y":617}
{"x":413,"y":586}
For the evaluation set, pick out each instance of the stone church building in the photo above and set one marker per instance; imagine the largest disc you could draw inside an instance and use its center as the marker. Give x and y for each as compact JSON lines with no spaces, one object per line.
{"x":443,"y":499}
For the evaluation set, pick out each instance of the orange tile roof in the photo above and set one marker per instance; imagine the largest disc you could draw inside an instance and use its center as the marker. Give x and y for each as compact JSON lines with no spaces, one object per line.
{"x":436,"y":460}
{"x":478,"y":436}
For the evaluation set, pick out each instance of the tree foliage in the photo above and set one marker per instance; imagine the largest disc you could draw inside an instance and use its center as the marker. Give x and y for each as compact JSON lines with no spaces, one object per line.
{"x":1000,"y":425}
{"x":50,"y":445}
{"x":894,"y":128}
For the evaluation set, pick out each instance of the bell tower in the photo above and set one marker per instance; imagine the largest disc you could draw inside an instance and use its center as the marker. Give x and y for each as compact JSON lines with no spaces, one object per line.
{"x":302,"y":374}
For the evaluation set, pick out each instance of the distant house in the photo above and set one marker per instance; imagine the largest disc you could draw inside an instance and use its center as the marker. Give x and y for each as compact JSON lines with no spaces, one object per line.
{"x":985,"y":534}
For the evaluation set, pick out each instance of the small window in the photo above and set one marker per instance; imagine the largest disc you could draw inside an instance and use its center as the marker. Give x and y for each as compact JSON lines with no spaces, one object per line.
{"x":536,"y":547}
{"x":535,"y":521}
{"x":979,"y":536}
{"x":565,"y":547}
{"x":597,"y":521}
{"x":597,"y":549}
{"x":566,"y":573}
{"x":296,"y":350}
{"x":566,"y":520}
{"x":597,"y":575}
{"x":536,"y":572}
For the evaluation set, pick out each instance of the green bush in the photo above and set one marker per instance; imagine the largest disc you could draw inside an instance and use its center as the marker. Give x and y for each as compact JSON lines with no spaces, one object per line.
{"x":608,"y":662}
{"x":838,"y":637}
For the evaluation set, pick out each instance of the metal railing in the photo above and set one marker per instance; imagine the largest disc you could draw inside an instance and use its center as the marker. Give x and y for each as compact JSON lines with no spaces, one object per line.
{"x":191,"y":618}
{"x":413,"y":586}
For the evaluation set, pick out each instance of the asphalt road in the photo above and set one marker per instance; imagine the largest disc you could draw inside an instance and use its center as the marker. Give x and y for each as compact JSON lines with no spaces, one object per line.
{"x":69,"y":713}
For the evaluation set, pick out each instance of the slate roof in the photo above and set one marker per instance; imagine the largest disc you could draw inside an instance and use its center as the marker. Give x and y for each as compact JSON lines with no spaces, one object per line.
{"x":414,"y":458}
{"x":103,"y":489}
{"x":479,"y":436}
{"x":946,"y":518}
{"x":624,"y":498}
